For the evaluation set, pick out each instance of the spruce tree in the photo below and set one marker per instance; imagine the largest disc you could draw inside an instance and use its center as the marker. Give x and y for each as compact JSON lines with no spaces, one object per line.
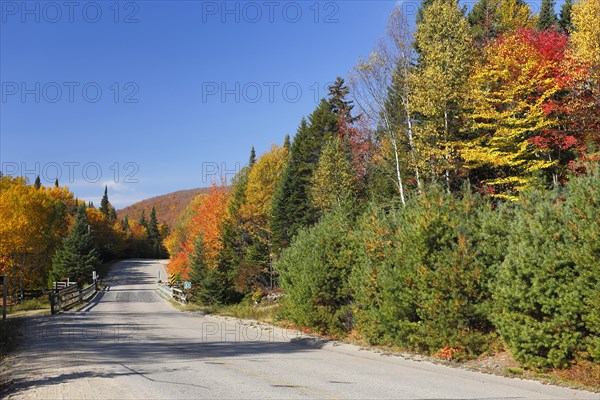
{"x":38,"y":182}
{"x":338,"y":92}
{"x":78,"y":256}
{"x":252,"y":157}
{"x":292,"y":206}
{"x":152,"y":227}
{"x":143,"y":221}
{"x":234,"y":238}
{"x":56,"y":182}
{"x":125,"y":223}
{"x":104,"y":203}
{"x":547,"y":18}
{"x":286,"y":143}
{"x":565,"y":17}
{"x":112,"y":215}
{"x":209,"y":286}
{"x":484,"y":21}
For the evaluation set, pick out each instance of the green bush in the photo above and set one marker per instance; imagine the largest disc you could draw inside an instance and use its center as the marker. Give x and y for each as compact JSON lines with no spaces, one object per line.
{"x":547,"y":290}
{"x":418,"y":283}
{"x":210,"y":286}
{"x":313,"y":272}
{"x":383,"y":277}
{"x":582,"y":214}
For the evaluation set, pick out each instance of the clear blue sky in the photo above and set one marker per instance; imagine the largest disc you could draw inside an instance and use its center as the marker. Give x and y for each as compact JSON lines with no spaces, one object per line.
{"x":163,"y":118}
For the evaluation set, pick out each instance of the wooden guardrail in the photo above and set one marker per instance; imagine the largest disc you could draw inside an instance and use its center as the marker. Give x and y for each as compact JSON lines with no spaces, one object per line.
{"x":70,"y":295}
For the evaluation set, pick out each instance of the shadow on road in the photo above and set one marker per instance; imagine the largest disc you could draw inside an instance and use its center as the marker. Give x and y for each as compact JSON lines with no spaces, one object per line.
{"x":128,"y":347}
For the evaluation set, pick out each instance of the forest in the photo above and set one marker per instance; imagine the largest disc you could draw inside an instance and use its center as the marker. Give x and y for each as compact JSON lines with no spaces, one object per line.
{"x":48,"y":235}
{"x":444,"y":198}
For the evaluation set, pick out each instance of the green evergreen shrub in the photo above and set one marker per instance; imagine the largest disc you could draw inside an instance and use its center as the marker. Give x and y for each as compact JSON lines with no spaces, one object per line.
{"x":547,"y":292}
{"x":418,"y":283}
{"x":313,"y":272}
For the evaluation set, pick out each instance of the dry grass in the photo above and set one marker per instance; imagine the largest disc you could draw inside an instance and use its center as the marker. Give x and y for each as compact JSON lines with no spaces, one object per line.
{"x":41,"y":303}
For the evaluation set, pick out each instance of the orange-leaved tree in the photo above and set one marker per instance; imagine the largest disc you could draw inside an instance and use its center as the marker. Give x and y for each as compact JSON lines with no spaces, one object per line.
{"x":206,"y":220}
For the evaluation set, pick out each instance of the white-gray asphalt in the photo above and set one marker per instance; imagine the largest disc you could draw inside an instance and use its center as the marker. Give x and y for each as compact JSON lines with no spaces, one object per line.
{"x":129,"y":343}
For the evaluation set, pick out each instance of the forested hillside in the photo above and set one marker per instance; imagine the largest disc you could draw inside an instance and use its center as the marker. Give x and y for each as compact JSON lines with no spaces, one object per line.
{"x":168,"y":206}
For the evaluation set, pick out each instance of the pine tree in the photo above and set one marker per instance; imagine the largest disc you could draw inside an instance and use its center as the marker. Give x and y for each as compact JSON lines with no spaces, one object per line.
{"x":78,"y":256}
{"x":90,"y":204}
{"x":252,"y":157}
{"x":104,"y":203}
{"x":538,"y":290}
{"x":38,"y":182}
{"x":565,"y":22}
{"x":314,"y":274}
{"x":286,"y":143}
{"x":547,"y":18}
{"x":56,"y":182}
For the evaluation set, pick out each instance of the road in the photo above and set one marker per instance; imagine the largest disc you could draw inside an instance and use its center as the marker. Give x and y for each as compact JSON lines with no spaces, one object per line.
{"x":129,"y":343}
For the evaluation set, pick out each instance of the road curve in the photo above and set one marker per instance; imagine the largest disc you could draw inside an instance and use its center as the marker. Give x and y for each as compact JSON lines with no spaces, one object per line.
{"x":129,"y":343}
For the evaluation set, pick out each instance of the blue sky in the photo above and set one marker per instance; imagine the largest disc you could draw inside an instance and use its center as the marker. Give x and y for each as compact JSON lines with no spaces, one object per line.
{"x":150,"y":97}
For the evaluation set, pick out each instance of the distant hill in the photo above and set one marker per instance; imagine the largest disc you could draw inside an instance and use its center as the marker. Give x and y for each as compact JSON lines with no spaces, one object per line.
{"x":168,"y":206}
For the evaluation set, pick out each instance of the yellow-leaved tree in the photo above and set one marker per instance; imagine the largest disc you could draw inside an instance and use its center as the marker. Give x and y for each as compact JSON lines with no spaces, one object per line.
{"x":32,"y":222}
{"x":445,"y":56}
{"x":255,"y":270}
{"x":510,"y":93}
{"x":586,"y":35}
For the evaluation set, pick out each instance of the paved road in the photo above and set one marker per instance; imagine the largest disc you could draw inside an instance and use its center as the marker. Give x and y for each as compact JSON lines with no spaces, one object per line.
{"x":131,"y":344}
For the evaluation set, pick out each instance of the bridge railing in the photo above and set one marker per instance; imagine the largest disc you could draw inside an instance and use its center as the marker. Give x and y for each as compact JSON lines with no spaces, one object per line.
{"x":172,"y":293}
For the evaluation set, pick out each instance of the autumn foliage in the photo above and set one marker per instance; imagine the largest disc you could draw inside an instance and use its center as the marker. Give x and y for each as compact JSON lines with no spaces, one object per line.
{"x":207,"y":214}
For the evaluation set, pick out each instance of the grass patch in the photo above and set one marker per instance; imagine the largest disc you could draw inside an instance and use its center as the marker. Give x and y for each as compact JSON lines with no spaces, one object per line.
{"x":515,"y":371}
{"x":245,"y":310}
{"x":40,"y":303}
{"x":261,"y":312}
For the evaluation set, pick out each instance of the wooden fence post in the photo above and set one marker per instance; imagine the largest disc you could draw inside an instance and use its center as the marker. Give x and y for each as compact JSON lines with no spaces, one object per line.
{"x":4,"y":292}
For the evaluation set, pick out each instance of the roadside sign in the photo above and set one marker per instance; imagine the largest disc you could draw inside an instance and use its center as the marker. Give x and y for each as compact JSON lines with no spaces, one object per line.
{"x":187,"y":285}
{"x":173,"y":279}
